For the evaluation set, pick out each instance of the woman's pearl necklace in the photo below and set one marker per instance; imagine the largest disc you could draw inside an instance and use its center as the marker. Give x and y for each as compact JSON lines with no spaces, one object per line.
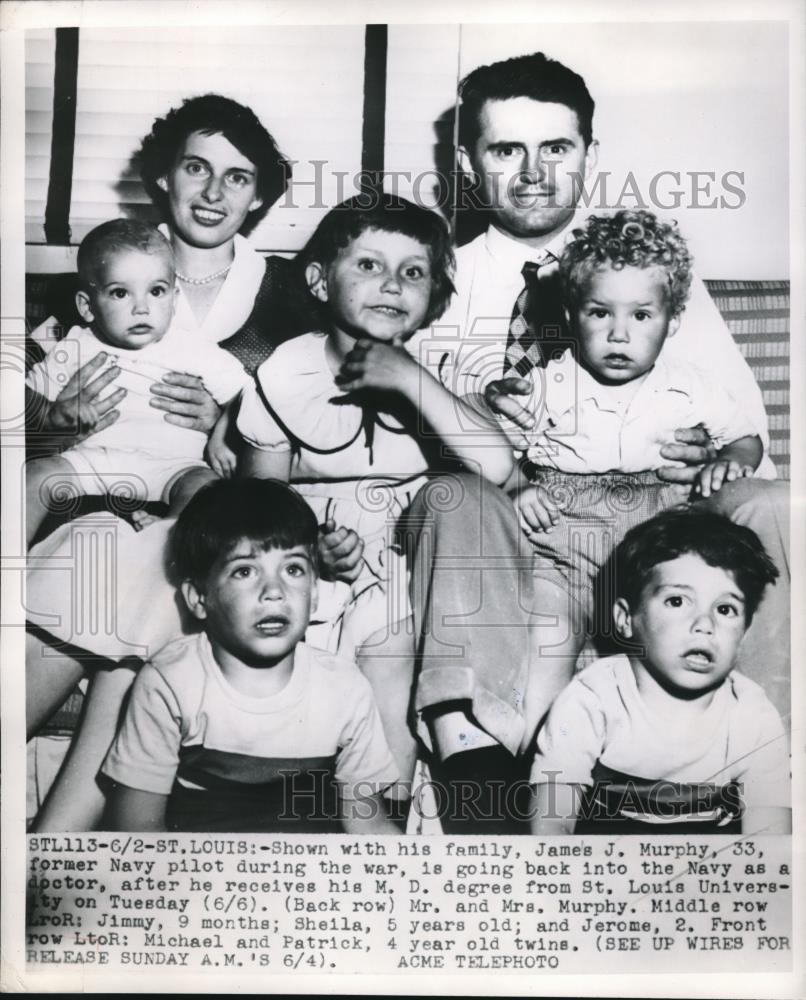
{"x":208,"y":279}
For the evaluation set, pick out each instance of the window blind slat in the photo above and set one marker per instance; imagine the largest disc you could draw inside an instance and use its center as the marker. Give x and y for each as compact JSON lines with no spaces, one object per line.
{"x":304,"y":83}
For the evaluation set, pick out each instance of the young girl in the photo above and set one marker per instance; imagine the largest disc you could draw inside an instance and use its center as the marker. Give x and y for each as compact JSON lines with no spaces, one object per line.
{"x":350,"y":417}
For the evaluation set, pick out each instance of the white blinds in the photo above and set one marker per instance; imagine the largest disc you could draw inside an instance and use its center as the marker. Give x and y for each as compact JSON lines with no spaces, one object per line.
{"x":305,"y":84}
{"x":40,"y":58}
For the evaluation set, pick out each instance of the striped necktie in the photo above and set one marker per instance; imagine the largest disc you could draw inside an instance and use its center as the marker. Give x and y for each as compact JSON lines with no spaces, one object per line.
{"x":523,"y":351}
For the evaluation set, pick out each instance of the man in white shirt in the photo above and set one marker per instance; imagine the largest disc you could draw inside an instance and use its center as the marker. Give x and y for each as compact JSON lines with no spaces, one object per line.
{"x":526,"y":139}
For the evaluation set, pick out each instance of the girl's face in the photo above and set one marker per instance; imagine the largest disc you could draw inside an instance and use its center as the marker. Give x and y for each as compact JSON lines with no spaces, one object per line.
{"x":379,"y":286}
{"x":211,"y":189}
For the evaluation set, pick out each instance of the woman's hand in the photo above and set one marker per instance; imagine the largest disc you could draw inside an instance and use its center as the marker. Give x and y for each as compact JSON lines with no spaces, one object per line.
{"x":79,"y":410}
{"x":186,"y":402}
{"x":374,"y":365}
{"x":340,"y":552}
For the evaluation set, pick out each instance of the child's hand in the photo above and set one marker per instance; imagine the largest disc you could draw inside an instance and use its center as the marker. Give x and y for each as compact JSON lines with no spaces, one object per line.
{"x":220,"y":457}
{"x":536,"y":511}
{"x":373,"y":365}
{"x":713,"y":475}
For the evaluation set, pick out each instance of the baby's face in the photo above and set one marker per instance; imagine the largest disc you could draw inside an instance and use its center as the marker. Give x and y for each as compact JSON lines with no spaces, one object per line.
{"x":689,"y":621}
{"x":621,"y":319}
{"x":132,"y":302}
{"x":379,"y":286}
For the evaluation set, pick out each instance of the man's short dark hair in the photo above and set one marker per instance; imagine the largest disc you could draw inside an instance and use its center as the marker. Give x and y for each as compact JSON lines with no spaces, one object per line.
{"x":716,"y":539}
{"x":264,"y":511}
{"x":212,"y":114}
{"x":114,"y":237}
{"x":534,"y":76}
{"x":391,"y":214}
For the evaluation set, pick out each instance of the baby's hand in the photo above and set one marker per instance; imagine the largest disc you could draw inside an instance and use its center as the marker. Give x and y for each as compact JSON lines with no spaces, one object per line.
{"x":713,"y":475}
{"x":373,"y":365}
{"x":220,"y":457}
{"x":536,"y":512}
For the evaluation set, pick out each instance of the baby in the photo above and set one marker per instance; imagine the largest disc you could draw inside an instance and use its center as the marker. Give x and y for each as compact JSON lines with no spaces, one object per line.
{"x":669,"y":738}
{"x":127,"y":297}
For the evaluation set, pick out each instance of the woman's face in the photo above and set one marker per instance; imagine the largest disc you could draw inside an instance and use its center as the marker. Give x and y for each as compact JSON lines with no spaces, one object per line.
{"x":211,"y":189}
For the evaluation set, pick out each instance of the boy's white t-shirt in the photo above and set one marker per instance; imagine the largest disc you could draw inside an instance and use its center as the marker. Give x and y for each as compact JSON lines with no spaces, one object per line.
{"x":601,"y":717}
{"x":140,"y":426}
{"x":181,"y":701}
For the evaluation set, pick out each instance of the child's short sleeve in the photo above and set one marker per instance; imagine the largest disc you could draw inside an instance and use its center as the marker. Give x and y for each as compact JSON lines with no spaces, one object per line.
{"x":224,"y":376}
{"x":145,"y":754}
{"x":364,"y":765}
{"x":721,"y":415}
{"x":572,"y":739}
{"x":257,"y":426}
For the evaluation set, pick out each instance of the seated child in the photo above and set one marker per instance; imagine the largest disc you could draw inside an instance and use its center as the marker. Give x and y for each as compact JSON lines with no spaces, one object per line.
{"x":604,"y":408}
{"x":244,"y":728}
{"x":669,"y":738}
{"x":127,"y":298}
{"x":350,"y":417}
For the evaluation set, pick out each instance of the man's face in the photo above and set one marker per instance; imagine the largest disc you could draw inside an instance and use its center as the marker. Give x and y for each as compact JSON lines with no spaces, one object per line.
{"x":532,"y":162}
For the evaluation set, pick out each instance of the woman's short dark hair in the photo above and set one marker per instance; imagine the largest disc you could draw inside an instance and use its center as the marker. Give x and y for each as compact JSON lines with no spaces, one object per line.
{"x":534,"y":76}
{"x":212,"y":114}
{"x":716,"y":539}
{"x":391,"y":214}
{"x":264,"y":511}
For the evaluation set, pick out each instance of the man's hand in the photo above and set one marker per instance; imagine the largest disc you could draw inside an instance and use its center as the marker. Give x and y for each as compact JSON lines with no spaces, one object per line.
{"x":340,"y":552}
{"x":79,"y":410}
{"x":536,"y":512}
{"x":498,"y":396}
{"x":186,"y":402}
{"x":694,"y":448}
{"x":383,"y":367}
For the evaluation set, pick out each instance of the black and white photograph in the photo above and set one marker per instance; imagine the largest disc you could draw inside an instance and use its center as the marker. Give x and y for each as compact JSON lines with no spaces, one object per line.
{"x":342,"y":638}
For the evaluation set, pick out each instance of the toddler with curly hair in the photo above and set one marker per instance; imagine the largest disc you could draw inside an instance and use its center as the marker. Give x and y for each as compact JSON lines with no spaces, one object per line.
{"x":605,"y":406}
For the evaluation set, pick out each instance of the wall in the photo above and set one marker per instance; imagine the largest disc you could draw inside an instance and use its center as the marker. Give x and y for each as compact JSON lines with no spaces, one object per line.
{"x":681,"y":97}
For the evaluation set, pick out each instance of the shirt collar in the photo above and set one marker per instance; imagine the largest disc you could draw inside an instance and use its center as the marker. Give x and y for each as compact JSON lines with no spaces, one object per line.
{"x":662,"y":378}
{"x":511,"y":253}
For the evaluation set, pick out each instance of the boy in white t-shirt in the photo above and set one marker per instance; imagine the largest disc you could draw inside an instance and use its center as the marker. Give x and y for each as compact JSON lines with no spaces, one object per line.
{"x":669,"y":738}
{"x":127,"y":298}
{"x":244,"y":728}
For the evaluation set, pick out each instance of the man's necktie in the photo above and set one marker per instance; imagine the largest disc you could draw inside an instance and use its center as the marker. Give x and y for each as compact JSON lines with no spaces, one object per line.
{"x":523,"y":351}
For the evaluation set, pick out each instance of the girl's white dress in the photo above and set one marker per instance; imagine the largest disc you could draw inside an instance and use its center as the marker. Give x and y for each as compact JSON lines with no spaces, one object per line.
{"x":355,"y":464}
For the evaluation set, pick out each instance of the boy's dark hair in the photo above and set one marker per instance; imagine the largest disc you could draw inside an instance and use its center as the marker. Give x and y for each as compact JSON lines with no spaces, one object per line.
{"x":628,"y":239}
{"x":713,"y":537}
{"x":264,"y":511}
{"x":534,"y":76}
{"x":391,"y":214}
{"x":212,"y":114}
{"x":113,"y":237}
